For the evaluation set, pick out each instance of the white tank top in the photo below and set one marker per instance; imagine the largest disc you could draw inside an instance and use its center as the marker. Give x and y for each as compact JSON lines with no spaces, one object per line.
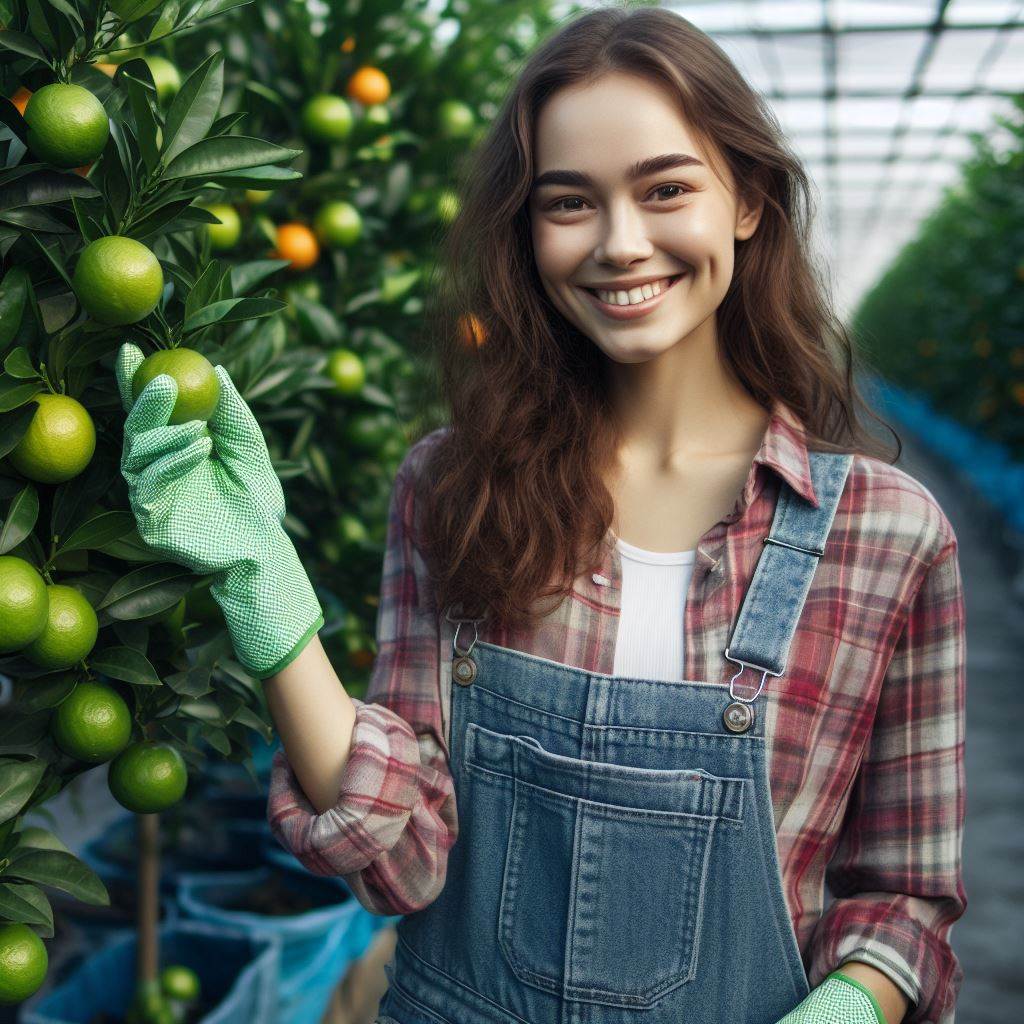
{"x":650,"y":638}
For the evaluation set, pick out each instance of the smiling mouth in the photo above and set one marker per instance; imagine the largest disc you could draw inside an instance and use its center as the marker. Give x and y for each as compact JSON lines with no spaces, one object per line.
{"x":671,"y":281}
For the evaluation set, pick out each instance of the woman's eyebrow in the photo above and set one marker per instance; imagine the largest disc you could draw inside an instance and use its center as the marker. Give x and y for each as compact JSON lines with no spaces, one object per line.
{"x":641,"y":169}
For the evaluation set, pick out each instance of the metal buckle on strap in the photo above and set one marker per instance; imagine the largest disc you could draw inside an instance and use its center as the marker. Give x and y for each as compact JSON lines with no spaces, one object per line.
{"x":747,"y":664}
{"x":458,"y":625}
{"x":794,"y":547}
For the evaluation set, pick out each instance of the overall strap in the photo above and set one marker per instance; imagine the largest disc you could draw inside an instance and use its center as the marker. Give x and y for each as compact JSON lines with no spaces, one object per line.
{"x":775,"y":598}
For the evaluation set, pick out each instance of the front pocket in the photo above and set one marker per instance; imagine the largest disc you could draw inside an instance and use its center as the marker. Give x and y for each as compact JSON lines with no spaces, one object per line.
{"x":606,"y":868}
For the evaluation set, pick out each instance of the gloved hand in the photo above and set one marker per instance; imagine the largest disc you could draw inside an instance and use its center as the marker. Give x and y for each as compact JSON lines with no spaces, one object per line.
{"x":839,"y":999}
{"x":209,"y":499}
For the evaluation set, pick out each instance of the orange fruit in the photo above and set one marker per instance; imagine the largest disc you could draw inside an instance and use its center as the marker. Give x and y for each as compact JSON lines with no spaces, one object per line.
{"x":70,"y":631}
{"x":59,"y":443}
{"x":148,"y":776}
{"x":369,"y":85}
{"x":348,"y":45}
{"x":67,"y":125}
{"x":118,"y":280}
{"x":107,"y":68}
{"x":296,"y":242}
{"x":23,"y":603}
{"x":92,"y":723}
{"x":23,"y":962}
{"x":20,"y":98}
{"x":471,"y":331}
{"x":198,"y":384}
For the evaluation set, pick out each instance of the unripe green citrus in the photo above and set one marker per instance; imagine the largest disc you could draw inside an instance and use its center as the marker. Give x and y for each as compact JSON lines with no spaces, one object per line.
{"x":326,"y":118}
{"x":257,"y":196}
{"x":455,"y":119}
{"x":347,"y":371}
{"x":67,"y":125}
{"x":70,"y":632}
{"x":23,"y":962}
{"x":23,"y":603}
{"x":118,"y":280}
{"x":166,"y":76}
{"x":198,"y":386}
{"x":447,"y":205}
{"x":148,"y":776}
{"x":180,"y":982}
{"x":338,"y":223}
{"x":225,"y":234}
{"x":59,"y":443}
{"x":93,"y":723}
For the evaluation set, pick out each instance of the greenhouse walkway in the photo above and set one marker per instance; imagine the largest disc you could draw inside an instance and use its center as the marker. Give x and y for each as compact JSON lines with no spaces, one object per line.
{"x":987,"y":937}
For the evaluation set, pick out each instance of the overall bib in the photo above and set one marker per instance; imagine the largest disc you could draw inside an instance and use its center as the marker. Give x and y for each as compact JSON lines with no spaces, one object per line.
{"x":616,"y":860}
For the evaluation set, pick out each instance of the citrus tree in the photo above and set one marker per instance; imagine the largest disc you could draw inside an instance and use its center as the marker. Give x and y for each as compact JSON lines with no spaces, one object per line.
{"x":112,"y":654}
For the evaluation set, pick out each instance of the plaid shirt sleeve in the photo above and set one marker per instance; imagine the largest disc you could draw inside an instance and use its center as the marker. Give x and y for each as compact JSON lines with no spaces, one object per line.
{"x":896,"y":871}
{"x":389,"y":833}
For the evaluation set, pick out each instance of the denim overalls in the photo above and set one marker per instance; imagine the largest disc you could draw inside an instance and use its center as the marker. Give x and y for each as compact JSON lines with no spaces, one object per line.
{"x":616,"y":860}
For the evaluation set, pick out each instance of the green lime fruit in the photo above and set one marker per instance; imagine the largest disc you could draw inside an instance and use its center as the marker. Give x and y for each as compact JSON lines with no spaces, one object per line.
{"x":92,"y":723}
{"x":59,"y":443}
{"x":23,"y":962}
{"x":447,"y":205}
{"x":326,"y":118}
{"x":198,"y":385}
{"x":180,"y":982}
{"x":338,"y":223}
{"x":347,"y":371}
{"x":70,"y":631}
{"x":225,"y":234}
{"x":67,"y":125}
{"x":23,"y":603}
{"x":377,"y":116}
{"x":455,"y":119}
{"x":148,"y":776}
{"x":118,"y":280}
{"x":350,"y":529}
{"x":257,"y":196}
{"x":166,"y":76}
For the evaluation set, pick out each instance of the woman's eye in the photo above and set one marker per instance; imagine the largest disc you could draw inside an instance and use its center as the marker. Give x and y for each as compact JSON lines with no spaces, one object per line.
{"x":559,"y":208}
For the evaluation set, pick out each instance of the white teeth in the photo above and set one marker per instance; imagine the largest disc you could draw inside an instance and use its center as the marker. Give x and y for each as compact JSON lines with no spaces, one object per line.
{"x":634,"y":295}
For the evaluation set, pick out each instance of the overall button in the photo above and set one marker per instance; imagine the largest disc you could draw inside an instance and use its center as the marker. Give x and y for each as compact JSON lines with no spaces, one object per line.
{"x":738,"y":717}
{"x":464,"y":670}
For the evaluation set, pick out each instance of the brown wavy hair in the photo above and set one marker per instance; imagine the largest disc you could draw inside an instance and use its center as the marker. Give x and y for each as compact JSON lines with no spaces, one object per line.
{"x":511,"y":498}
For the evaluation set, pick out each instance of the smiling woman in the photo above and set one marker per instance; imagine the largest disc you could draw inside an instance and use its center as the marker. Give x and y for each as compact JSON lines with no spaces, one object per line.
{"x":628,"y":801}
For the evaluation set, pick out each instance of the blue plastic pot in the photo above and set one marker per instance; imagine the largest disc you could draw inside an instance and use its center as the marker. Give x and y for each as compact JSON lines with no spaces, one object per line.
{"x":317,"y":945}
{"x":230,"y":845}
{"x":238,"y":972}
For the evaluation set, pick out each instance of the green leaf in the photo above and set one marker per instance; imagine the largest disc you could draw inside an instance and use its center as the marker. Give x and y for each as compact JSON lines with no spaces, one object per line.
{"x":23,"y":44}
{"x":21,"y":518}
{"x":228,"y":311}
{"x":126,"y":664}
{"x":48,"y":691}
{"x":30,"y":219}
{"x":194,"y":107}
{"x":22,"y":733}
{"x":13,"y":294}
{"x":99,"y":530}
{"x":147,"y":590}
{"x":139,"y":91}
{"x":18,"y":780}
{"x":45,"y":187}
{"x":245,"y":276}
{"x":62,"y":871}
{"x":229,"y":153}
{"x":19,"y":364}
{"x":267,"y":176}
{"x":20,"y":901}
{"x":193,"y":682}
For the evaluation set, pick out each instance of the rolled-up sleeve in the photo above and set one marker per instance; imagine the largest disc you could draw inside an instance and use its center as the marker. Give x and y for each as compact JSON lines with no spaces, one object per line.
{"x":896,"y":872}
{"x":389,"y":832}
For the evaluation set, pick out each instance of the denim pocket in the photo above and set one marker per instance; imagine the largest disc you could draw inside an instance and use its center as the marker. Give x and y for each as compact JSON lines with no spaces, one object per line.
{"x":606,"y":866}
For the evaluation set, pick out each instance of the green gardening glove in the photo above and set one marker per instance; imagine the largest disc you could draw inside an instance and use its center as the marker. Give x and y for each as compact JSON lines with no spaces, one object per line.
{"x":209,"y":499}
{"x":839,"y":999}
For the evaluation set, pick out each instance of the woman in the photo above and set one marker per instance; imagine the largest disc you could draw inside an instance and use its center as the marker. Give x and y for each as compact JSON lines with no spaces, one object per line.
{"x":623,"y":804}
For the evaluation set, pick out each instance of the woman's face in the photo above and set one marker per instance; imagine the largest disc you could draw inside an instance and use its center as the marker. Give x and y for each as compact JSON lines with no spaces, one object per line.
{"x":670,"y":221}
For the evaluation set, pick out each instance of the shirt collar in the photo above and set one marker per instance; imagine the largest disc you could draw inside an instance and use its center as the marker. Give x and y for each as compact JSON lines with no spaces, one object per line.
{"x":784,"y":449}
